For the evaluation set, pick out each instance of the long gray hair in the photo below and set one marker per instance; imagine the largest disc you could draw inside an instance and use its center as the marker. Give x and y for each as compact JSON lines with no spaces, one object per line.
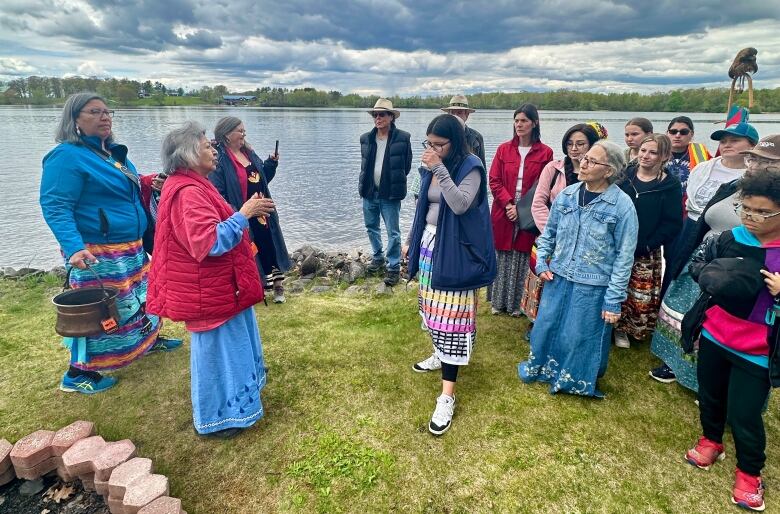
{"x":615,"y":159}
{"x":181,"y":146}
{"x":224,"y":127}
{"x":66,"y":130}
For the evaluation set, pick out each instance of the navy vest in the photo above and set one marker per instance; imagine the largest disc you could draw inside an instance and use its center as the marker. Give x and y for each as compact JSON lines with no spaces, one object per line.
{"x":464,"y":256}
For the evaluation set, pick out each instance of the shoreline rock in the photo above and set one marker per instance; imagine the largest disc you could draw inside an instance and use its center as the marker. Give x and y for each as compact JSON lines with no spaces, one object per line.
{"x":313,"y":271}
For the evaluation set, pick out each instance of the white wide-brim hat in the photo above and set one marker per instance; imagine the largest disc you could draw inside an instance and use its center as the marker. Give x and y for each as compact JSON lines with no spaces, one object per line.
{"x":458,"y":103}
{"x":384,"y":105}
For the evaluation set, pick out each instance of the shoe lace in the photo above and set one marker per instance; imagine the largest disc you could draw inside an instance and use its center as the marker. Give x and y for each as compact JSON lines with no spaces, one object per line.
{"x":443,"y":411}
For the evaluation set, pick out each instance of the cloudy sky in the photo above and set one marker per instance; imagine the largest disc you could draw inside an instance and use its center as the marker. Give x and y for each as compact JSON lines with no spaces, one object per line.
{"x":405,"y":47}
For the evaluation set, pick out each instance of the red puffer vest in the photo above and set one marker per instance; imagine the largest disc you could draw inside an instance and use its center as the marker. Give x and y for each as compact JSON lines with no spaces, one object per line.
{"x":183,"y":289}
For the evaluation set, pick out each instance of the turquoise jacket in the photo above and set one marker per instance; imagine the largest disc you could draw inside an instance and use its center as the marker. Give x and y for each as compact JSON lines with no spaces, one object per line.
{"x":86,"y":199}
{"x":591,"y":245}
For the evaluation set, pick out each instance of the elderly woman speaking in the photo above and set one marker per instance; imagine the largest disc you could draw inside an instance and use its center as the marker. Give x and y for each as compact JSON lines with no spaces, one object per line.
{"x":204,"y":273}
{"x":584,"y":256}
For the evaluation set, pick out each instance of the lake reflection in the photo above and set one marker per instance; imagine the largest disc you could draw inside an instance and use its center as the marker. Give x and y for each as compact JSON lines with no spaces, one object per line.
{"x":315,"y":188}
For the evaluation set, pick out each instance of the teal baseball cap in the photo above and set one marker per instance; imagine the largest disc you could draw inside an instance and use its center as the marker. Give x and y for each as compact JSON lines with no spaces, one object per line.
{"x":737,"y":129}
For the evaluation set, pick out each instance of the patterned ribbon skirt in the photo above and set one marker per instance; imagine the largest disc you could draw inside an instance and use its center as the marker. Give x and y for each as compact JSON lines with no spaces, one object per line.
{"x":450,"y":316}
{"x":640,"y":310}
{"x":123,"y":266}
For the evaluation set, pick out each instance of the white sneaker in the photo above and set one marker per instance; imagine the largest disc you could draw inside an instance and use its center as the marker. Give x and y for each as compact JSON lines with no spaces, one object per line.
{"x":621,"y":340}
{"x":432,"y":363}
{"x":442,"y":415}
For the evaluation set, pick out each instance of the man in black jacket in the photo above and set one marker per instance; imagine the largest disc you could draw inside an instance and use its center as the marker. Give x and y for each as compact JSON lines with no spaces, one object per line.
{"x":386,"y":158}
{"x":459,"y":106}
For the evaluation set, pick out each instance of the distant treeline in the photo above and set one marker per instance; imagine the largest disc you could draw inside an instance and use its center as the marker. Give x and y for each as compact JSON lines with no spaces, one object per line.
{"x":125,"y":92}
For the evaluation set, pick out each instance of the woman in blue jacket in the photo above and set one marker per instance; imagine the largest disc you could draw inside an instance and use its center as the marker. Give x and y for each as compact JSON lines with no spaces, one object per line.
{"x":585,"y":256}
{"x":91,"y":199}
{"x":451,"y":245}
{"x":240,"y":175}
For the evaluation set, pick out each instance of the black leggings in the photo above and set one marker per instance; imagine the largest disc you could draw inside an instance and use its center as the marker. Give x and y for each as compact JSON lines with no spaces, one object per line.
{"x":733,"y":390}
{"x":449,"y":372}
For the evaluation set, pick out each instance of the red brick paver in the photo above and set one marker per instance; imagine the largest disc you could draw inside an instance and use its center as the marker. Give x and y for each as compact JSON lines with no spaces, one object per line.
{"x":163,"y":505}
{"x":115,"y":506}
{"x":7,"y":476}
{"x":112,"y":456}
{"x":78,"y":458}
{"x":125,"y":481}
{"x":32,"y":449}
{"x":88,"y":481}
{"x":38,"y":470}
{"x":143,"y":491}
{"x":5,"y":454}
{"x":124,"y":474}
{"x":101,"y":487}
{"x":66,"y":436}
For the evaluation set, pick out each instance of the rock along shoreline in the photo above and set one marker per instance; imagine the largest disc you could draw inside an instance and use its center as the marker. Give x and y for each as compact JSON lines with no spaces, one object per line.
{"x":313,"y":271}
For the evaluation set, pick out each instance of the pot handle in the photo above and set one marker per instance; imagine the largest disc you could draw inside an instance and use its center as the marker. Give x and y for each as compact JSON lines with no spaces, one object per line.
{"x":66,"y":285}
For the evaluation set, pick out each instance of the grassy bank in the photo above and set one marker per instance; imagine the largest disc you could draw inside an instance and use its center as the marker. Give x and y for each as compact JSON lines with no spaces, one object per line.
{"x":345,"y":428}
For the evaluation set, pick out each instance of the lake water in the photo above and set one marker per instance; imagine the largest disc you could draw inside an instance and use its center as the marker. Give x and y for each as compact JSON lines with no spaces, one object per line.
{"x":315,"y":188}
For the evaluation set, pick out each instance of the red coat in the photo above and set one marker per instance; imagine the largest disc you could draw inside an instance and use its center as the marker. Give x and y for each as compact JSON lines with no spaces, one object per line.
{"x":503,"y":182}
{"x":185,"y":283}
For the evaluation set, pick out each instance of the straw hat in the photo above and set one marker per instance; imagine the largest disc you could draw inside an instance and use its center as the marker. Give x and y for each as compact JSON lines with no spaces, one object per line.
{"x":458,"y":103}
{"x":383,"y":104}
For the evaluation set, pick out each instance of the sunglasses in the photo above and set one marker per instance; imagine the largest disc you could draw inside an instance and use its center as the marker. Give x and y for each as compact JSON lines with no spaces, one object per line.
{"x":379,"y":114}
{"x":682,"y":132}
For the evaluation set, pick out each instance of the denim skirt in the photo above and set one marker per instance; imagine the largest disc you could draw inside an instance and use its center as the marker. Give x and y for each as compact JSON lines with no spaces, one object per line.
{"x":570,"y":342}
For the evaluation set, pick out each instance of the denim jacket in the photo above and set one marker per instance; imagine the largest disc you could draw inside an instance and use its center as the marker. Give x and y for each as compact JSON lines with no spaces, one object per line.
{"x":591,"y":245}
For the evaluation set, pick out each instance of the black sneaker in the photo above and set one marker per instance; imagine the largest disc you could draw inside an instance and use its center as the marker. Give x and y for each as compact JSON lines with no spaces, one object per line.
{"x":392,"y":278}
{"x":663,"y":374}
{"x":227,"y":433}
{"x":375,"y":267}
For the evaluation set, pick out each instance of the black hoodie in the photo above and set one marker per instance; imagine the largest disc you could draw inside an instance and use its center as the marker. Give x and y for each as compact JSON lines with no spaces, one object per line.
{"x":659,"y":211}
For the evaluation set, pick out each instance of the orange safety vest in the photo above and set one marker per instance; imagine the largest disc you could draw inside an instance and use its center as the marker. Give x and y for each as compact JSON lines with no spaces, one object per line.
{"x":697,"y":153}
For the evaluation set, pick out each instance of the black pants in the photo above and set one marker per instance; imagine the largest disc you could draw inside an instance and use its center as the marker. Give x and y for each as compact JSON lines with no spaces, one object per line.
{"x":449,"y":372}
{"x":733,"y":390}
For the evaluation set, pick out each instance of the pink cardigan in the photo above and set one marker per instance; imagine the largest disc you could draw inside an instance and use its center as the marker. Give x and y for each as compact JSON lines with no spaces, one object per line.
{"x":544,"y":194}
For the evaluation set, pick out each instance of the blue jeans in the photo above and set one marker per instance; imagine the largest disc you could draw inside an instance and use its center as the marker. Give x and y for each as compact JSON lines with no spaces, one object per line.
{"x":390,"y":210}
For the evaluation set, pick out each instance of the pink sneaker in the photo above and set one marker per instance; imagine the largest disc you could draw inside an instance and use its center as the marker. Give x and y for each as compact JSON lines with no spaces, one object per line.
{"x":748,"y":491}
{"x":705,"y":453}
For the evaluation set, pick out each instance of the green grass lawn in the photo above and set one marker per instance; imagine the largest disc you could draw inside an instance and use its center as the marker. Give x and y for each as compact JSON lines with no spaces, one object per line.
{"x":346,"y":419}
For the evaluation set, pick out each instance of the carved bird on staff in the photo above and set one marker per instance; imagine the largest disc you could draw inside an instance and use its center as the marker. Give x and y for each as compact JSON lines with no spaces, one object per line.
{"x":741,"y":69}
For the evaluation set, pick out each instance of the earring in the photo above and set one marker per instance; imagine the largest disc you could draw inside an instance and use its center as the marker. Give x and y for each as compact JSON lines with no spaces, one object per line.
{"x":78,"y":130}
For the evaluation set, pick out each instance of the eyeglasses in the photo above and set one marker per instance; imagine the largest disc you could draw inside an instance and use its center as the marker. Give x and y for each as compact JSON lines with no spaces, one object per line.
{"x":762,"y":164}
{"x":379,"y":114}
{"x":682,"y":132}
{"x":587,"y":161}
{"x":242,"y":132}
{"x":747,"y":213}
{"x":437,"y":147}
{"x":576,"y":144}
{"x":100,"y":113}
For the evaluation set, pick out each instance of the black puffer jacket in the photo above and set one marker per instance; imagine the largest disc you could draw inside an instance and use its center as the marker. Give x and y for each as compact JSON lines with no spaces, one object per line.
{"x":396,"y":166}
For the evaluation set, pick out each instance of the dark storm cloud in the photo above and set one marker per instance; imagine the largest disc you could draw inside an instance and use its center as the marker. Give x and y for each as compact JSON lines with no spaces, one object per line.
{"x":404,"y":46}
{"x":406,"y":25}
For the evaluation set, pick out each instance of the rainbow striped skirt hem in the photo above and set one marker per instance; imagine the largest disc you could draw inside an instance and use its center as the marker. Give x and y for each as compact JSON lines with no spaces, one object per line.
{"x":450,"y":316}
{"x":123,"y":266}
